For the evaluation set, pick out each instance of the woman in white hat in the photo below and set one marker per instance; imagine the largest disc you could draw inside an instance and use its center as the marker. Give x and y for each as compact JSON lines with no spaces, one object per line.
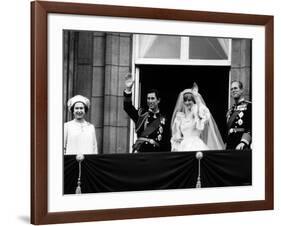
{"x":79,"y":135}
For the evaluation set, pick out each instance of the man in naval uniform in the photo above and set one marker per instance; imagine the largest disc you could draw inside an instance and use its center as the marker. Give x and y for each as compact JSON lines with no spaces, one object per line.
{"x":150,"y":124}
{"x":239,"y":119}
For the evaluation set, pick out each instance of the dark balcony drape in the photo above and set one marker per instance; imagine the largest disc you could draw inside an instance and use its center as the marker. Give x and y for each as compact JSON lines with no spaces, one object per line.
{"x":155,"y":171}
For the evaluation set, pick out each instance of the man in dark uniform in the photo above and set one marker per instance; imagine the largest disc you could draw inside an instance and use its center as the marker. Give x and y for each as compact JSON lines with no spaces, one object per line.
{"x":150,"y":125}
{"x":239,"y":119}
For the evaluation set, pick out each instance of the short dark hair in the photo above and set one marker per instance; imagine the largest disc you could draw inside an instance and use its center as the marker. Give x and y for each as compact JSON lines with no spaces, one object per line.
{"x":85,"y":107}
{"x":157,"y":93}
{"x":240,"y":84}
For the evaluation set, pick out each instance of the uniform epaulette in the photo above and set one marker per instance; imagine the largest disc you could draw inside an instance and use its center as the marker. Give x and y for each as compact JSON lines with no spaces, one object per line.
{"x":248,"y":102}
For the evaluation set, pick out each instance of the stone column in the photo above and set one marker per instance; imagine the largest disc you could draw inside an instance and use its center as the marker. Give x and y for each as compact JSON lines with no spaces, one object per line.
{"x":98,"y":80}
{"x":117,"y":64}
{"x":241,"y":64}
{"x":83,"y":75}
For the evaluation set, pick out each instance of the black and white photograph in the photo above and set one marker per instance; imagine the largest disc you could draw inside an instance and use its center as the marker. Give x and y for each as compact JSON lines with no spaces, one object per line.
{"x":142,"y":112}
{"x":154,"y":111}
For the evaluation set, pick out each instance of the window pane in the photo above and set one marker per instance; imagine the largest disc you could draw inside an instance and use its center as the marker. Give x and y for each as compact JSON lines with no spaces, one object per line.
{"x":208,"y":48}
{"x":159,"y":46}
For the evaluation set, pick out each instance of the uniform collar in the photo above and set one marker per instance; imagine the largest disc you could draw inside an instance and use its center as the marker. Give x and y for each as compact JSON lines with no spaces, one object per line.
{"x":154,"y":114}
{"x":157,"y":112}
{"x":241,"y":100}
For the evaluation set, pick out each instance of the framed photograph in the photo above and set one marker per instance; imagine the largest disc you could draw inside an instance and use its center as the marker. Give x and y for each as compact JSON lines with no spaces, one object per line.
{"x":147,"y":112}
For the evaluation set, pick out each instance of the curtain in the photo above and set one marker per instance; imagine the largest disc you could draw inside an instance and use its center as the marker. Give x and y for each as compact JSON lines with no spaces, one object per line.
{"x":146,"y":41}
{"x":224,"y":44}
{"x":219,"y":42}
{"x":156,"y":171}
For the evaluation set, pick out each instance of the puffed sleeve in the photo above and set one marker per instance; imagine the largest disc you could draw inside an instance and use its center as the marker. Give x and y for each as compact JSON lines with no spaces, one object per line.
{"x":176,"y":132}
{"x":95,"y":144}
{"x":65,"y":132}
{"x":203,"y":117}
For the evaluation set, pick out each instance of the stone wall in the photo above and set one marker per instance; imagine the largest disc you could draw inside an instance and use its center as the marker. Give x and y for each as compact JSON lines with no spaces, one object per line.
{"x":241,"y":64}
{"x":95,"y":65}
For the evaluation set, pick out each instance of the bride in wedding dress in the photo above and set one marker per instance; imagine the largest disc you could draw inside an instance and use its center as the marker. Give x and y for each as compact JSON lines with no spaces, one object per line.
{"x":192,"y":124}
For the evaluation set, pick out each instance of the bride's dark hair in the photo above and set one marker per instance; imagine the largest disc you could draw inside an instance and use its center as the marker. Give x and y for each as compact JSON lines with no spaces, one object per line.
{"x":190,"y":97}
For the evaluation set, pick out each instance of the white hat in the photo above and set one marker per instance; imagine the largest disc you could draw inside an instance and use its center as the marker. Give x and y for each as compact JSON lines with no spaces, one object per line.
{"x":77,"y":98}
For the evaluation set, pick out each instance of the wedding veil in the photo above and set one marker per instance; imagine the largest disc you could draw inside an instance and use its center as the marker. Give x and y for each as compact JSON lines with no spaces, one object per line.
{"x":210,"y":134}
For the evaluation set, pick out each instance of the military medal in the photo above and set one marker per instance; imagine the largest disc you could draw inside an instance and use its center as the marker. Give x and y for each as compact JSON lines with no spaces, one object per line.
{"x":161,"y":129}
{"x":159,"y":137}
{"x":240,"y":122}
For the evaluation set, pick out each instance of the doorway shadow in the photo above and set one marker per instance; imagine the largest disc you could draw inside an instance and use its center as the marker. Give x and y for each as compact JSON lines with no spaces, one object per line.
{"x":170,"y":80}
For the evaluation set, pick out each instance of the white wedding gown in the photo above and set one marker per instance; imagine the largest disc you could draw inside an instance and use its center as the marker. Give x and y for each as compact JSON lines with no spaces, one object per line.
{"x":189,"y":130}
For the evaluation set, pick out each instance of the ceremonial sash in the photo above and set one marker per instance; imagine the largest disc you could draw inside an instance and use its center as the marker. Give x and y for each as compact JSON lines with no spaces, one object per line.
{"x":151,"y":128}
{"x":146,"y":132}
{"x":232,"y":118}
{"x":141,"y":120}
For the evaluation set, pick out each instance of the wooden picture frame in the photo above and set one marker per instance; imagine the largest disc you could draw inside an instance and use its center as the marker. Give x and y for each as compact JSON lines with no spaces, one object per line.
{"x":39,"y":112}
